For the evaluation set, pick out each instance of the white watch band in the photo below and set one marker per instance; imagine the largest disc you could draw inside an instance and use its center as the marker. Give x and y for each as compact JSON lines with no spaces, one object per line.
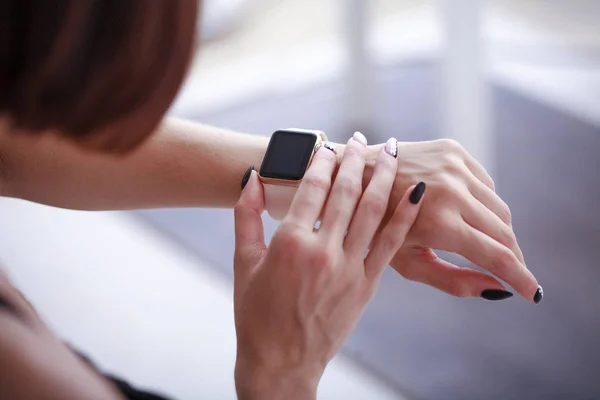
{"x":278,"y":199}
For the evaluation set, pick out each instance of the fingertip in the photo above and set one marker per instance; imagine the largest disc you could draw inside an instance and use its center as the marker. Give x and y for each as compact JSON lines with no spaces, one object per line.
{"x":532,"y":290}
{"x":360,"y":138}
{"x":495,"y":294}
{"x":252,"y":194}
{"x":488,"y":287}
{"x":539,"y":294}
{"x":406,"y":209}
{"x":412,"y":199}
{"x":391,"y":147}
{"x":246,"y":176}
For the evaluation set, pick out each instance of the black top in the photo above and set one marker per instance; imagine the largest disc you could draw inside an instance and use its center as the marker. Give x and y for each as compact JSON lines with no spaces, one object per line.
{"x":131,"y":393}
{"x":125,"y":388}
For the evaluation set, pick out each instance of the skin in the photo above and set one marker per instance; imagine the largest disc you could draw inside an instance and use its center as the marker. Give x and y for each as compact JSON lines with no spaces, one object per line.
{"x":34,"y":363}
{"x":322,"y":287}
{"x":185,"y":164}
{"x":322,"y":279}
{"x":315,"y":293}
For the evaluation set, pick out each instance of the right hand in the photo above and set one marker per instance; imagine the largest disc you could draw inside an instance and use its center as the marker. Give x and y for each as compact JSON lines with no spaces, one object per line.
{"x":297,"y":301}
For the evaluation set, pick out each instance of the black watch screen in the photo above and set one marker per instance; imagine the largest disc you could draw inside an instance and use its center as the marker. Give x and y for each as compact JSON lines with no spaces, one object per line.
{"x":288,"y":155}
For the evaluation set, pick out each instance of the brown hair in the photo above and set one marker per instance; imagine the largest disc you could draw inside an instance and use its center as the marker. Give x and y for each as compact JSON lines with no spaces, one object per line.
{"x":101,"y":72}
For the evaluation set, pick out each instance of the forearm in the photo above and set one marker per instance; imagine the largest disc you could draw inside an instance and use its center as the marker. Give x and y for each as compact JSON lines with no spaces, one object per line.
{"x":183,"y":164}
{"x":34,"y":363}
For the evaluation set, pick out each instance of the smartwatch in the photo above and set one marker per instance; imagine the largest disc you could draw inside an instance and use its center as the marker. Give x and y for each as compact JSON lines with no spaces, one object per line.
{"x":288,"y":156}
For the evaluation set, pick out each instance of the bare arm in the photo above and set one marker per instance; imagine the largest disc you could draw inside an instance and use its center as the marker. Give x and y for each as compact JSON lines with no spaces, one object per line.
{"x":190,"y":165}
{"x":34,"y":364}
{"x":184,"y":164}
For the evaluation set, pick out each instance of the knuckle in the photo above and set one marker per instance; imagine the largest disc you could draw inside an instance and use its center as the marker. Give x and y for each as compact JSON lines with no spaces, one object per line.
{"x":451,"y":190}
{"x":505,"y":213}
{"x":448,"y":157}
{"x":354,"y":150}
{"x":388,"y":242}
{"x":375,"y":205}
{"x":490,"y":183}
{"x":349,"y":186}
{"x":502,"y":261}
{"x":289,"y":237}
{"x":317,"y":182}
{"x":508,"y":237}
{"x":455,"y":166}
{"x":458,"y":290}
{"x":239,"y":208}
{"x":452,"y":145}
{"x":322,"y":259}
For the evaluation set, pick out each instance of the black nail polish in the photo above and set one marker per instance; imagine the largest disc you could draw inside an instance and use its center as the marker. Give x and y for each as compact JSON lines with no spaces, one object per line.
{"x":495,"y":294}
{"x":539,"y":295}
{"x":247,"y":176}
{"x":417,"y":193}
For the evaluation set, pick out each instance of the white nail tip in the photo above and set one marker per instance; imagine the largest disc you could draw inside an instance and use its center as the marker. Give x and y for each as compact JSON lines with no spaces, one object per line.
{"x":360,"y":138}
{"x":391,"y":147}
{"x":330,"y":146}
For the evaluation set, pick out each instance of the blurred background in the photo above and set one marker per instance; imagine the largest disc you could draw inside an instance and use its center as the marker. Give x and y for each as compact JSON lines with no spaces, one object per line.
{"x":516,"y":82}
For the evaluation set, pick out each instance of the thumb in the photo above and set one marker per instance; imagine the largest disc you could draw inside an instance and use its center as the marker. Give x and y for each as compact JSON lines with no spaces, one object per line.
{"x":249,"y":230}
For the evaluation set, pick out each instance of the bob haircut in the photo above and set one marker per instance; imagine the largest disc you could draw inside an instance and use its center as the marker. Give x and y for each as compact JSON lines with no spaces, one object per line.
{"x":100,"y":72}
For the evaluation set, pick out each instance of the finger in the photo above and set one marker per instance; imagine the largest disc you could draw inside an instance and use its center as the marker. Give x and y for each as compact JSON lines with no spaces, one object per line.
{"x":374,"y":202}
{"x":314,"y":189}
{"x":490,"y":199}
{"x":394,"y":232}
{"x":249,"y":230}
{"x":483,"y":219}
{"x":346,"y":190}
{"x":424,"y":266}
{"x":498,"y":259}
{"x":477,"y":169}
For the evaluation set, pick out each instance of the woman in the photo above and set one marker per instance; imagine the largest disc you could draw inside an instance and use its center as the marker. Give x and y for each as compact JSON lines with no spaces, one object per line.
{"x":84,"y":86}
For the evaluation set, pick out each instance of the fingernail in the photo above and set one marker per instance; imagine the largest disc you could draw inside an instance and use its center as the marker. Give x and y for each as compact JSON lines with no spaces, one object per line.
{"x":539,"y":295}
{"x":360,"y":138}
{"x":391,"y":147}
{"x":246,"y":176}
{"x":417,"y":193}
{"x":330,"y":146}
{"x":495,"y":294}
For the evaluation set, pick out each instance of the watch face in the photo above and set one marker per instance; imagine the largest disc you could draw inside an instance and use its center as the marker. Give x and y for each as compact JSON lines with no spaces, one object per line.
{"x":288,"y":155}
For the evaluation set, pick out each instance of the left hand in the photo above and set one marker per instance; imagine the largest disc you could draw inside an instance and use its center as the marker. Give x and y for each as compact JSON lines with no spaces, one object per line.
{"x":462,"y":214}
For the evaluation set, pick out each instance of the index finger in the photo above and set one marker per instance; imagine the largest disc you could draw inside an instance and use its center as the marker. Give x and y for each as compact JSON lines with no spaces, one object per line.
{"x":394,"y":233}
{"x":313,"y":190}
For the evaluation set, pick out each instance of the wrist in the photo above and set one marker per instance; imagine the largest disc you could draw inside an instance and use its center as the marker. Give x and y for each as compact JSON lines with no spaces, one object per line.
{"x":253,"y":381}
